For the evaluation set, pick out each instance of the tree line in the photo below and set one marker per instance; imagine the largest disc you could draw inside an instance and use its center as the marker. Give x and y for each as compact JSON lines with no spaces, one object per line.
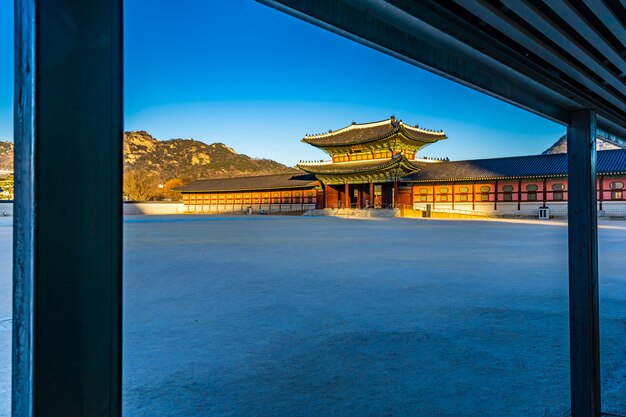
{"x":142,"y":185}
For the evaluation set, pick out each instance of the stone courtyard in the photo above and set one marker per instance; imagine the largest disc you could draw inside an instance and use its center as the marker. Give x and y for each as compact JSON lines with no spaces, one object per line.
{"x":321,"y":316}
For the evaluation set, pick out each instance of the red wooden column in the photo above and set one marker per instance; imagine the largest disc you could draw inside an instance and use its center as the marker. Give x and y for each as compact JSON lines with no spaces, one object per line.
{"x":326,"y":196}
{"x":473,"y":196}
{"x":452,"y":186}
{"x":495,"y":203}
{"x":372,"y":193}
{"x":346,"y":196}
{"x":519,"y":194}
{"x":601,"y":186}
{"x":545,"y":191}
{"x":395,"y":193}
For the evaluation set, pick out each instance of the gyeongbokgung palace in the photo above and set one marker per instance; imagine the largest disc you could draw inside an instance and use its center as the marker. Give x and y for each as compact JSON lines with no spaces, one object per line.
{"x":374,"y":166}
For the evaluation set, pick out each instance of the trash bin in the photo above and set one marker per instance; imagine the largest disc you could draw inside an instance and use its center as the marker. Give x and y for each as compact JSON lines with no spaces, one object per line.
{"x":249,"y":210}
{"x":544,"y":213}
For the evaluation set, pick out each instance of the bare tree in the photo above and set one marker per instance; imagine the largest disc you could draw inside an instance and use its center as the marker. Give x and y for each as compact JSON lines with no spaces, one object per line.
{"x":140,"y":185}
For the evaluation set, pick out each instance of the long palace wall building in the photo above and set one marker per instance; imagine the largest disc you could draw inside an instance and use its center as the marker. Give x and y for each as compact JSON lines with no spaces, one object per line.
{"x":374,"y":166}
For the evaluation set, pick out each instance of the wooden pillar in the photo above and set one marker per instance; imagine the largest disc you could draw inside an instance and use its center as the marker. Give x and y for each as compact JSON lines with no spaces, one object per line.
{"x":325,"y":195}
{"x":601,"y":187}
{"x":434,"y":196}
{"x":495,"y":203}
{"x":395,"y":194}
{"x":473,"y":196}
{"x":583,"y":265}
{"x":67,"y":252}
{"x":453,"y":196}
{"x":519,"y":194}
{"x":346,"y":196}
{"x":372,"y":193}
{"x":545,"y":191}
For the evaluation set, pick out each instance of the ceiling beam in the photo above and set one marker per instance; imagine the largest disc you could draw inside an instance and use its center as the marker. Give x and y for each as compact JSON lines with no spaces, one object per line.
{"x":431,"y":36}
{"x":608,"y":18}
{"x":539,"y":21}
{"x":580,"y":24}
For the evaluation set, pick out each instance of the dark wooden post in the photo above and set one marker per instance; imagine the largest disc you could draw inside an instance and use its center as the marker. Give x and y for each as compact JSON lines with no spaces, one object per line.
{"x":583,"y":265}
{"x":372,"y":193}
{"x":67,"y":258}
{"x":346,"y":196}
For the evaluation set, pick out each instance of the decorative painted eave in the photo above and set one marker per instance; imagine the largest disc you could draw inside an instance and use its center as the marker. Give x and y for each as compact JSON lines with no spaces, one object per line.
{"x":360,"y":167}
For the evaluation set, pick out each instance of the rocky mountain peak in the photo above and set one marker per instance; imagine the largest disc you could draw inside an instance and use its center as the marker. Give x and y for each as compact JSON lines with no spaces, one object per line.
{"x":560,"y":146}
{"x":191,"y":159}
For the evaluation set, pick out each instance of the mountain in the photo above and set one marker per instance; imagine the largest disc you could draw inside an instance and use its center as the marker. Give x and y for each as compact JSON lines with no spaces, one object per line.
{"x":560,"y":146}
{"x":178,"y":158}
{"x":191,"y":159}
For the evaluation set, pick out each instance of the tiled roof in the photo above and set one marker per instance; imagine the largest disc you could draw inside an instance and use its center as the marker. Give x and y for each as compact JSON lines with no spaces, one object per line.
{"x":261,"y":182}
{"x":613,"y":161}
{"x":369,"y":132}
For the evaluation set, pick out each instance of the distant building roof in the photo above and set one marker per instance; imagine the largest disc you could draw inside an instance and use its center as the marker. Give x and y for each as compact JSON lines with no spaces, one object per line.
{"x":261,"y":182}
{"x":369,"y":132}
{"x":608,"y":162}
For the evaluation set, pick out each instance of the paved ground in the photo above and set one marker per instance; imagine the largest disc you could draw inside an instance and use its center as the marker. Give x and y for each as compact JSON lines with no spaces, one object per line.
{"x":280,"y":316}
{"x":6,"y":236}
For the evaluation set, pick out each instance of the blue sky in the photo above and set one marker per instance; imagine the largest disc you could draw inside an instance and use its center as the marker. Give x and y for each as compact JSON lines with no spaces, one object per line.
{"x":256,"y":79}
